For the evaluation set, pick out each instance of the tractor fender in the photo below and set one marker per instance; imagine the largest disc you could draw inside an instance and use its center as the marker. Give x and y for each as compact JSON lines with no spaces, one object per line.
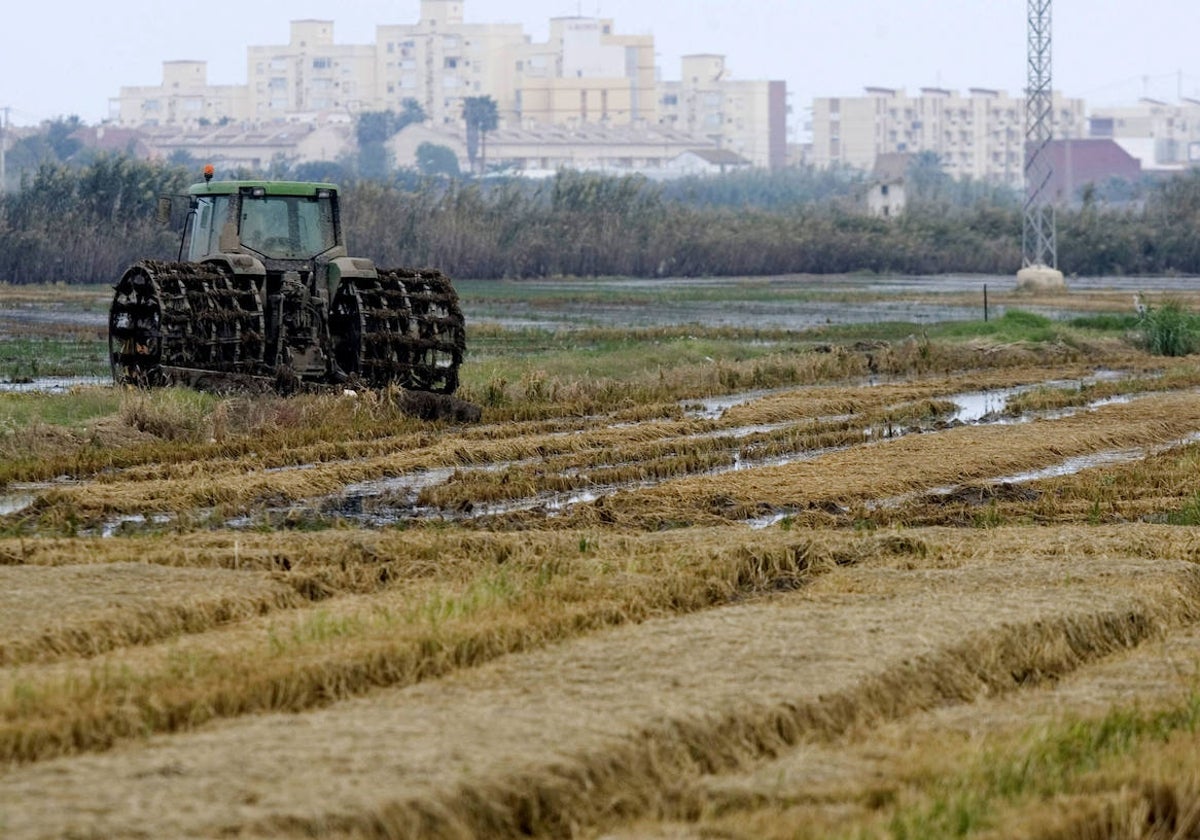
{"x":242,"y":264}
{"x":348,"y":268}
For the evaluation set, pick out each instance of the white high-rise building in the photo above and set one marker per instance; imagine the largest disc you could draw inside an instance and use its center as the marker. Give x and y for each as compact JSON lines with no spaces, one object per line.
{"x":980,"y":135}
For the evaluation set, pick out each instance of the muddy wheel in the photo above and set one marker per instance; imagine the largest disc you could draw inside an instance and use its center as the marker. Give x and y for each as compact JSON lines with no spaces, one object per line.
{"x":239,"y":320}
{"x":135,"y":329}
{"x":434,"y":335}
{"x":346,"y":327}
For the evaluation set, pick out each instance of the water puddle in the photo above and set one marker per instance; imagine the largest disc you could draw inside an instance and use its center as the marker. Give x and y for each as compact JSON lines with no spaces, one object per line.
{"x":117,"y":524}
{"x":711,"y":408}
{"x":1078,"y":464}
{"x":992,"y":405}
{"x":51,"y":384}
{"x":15,"y":502}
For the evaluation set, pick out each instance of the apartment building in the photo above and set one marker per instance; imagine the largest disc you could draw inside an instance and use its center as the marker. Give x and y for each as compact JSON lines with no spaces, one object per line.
{"x":184,"y":98}
{"x":309,"y":75}
{"x":586,"y":73}
{"x":1160,"y":135}
{"x":980,"y":135}
{"x":748,"y":118}
{"x":441,"y":60}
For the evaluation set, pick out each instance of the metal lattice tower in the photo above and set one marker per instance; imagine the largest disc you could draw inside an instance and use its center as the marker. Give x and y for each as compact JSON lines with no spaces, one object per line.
{"x":1040,"y":238}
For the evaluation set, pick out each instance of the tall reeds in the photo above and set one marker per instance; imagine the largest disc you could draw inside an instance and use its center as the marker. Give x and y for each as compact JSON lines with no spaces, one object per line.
{"x":86,"y":225}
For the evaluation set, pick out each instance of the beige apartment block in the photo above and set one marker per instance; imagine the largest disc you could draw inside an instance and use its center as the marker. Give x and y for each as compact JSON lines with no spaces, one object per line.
{"x":310,"y":75}
{"x":980,"y":135}
{"x":184,"y":98}
{"x":1159,"y":134}
{"x":586,"y":73}
{"x":748,"y":118}
{"x":441,"y":60}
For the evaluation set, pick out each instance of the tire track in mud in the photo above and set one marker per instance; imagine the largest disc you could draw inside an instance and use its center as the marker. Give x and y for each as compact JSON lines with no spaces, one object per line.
{"x":593,"y":731}
{"x":518,"y":476}
{"x":552,"y":485}
{"x":558,"y":472}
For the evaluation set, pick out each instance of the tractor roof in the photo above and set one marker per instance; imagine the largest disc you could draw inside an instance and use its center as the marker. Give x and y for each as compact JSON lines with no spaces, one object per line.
{"x":303,"y":188}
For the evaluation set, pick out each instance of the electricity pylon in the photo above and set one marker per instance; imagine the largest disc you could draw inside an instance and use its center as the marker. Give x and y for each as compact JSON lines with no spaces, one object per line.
{"x":1039,"y":241}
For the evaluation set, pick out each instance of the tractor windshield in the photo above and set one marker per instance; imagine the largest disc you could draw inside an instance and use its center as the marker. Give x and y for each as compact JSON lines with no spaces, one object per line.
{"x":287,"y":227}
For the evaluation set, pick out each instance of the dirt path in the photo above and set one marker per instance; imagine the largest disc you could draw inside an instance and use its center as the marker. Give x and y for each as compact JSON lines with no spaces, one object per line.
{"x":581,"y":733}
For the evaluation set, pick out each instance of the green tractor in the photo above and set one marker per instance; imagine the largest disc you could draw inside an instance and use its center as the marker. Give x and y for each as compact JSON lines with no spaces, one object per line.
{"x":264,"y":295}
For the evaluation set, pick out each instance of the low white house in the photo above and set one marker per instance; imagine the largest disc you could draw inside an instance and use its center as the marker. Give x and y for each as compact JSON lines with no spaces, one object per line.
{"x":886,"y":199}
{"x":707,"y":162}
{"x":253,"y":147}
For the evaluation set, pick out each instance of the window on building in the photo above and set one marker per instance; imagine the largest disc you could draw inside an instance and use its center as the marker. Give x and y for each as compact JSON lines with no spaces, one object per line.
{"x":322,"y":63}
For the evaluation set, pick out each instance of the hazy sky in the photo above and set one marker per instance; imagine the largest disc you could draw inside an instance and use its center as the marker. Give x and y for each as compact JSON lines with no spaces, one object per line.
{"x":70,"y":58}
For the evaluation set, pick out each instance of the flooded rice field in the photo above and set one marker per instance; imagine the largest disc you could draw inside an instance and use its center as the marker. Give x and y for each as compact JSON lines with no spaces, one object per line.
{"x":678,"y":582}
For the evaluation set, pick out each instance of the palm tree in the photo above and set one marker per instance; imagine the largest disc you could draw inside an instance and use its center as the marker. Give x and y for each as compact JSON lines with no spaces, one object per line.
{"x":481,"y":116}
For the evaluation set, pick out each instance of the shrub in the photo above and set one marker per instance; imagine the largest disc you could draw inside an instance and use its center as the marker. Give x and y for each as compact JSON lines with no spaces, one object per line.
{"x":1169,"y":330}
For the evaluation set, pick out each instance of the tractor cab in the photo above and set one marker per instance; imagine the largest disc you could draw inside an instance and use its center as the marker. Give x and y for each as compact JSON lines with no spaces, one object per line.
{"x":269,"y":220}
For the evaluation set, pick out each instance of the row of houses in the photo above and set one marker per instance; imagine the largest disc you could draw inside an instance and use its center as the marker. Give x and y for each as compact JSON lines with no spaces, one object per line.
{"x":657,"y":153}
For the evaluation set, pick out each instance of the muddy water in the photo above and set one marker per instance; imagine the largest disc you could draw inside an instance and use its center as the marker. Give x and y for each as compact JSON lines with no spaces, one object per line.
{"x":803,"y":301}
{"x":52,"y":384}
{"x":395,"y":499}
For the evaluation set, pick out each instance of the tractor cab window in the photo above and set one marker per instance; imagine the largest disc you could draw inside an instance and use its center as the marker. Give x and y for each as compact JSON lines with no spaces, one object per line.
{"x":207,"y":219}
{"x":286,"y":227}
